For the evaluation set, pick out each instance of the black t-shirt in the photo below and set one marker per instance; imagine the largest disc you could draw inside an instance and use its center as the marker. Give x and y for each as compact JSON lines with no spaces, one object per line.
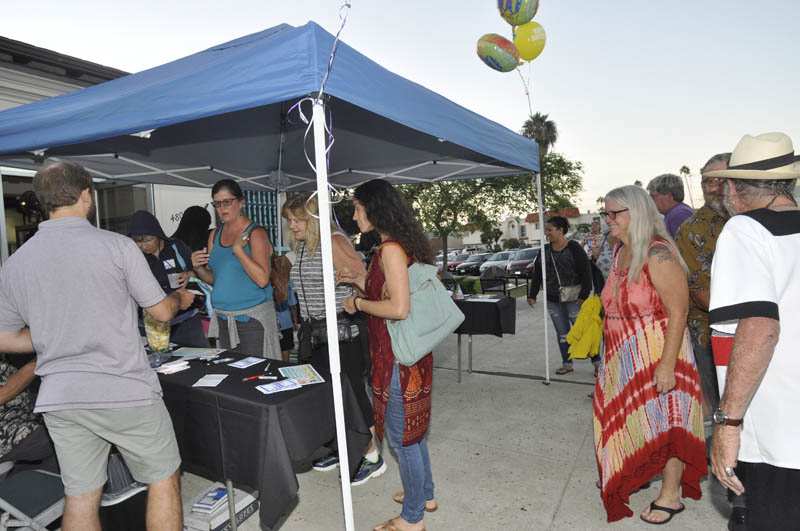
{"x":573,"y":268}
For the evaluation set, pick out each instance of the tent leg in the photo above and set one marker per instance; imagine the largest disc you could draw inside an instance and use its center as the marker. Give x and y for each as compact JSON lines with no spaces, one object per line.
{"x":96,"y":209}
{"x":537,"y":182}
{"x":3,"y":233}
{"x":330,"y":306}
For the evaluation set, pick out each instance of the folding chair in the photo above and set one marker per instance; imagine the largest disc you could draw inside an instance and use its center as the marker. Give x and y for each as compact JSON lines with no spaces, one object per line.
{"x":31,"y":499}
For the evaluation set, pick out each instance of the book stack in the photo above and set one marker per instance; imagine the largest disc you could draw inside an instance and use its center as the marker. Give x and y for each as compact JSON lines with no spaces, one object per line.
{"x":209,"y":510}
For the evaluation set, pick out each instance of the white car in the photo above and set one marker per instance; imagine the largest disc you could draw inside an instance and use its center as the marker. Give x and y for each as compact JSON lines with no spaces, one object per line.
{"x":499,"y":261}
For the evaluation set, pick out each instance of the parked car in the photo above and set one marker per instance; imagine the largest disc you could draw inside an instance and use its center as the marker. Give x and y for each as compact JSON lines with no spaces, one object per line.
{"x":519,"y":261}
{"x":458,"y":260}
{"x":472,"y":264}
{"x":497,"y":260}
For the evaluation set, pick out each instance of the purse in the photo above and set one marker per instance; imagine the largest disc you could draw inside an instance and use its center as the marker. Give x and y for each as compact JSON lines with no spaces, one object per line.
{"x":565,"y":293}
{"x":433,"y":316}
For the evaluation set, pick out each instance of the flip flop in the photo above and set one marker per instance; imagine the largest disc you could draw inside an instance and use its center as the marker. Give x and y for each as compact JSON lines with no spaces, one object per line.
{"x":430,"y":505}
{"x":669,"y":511}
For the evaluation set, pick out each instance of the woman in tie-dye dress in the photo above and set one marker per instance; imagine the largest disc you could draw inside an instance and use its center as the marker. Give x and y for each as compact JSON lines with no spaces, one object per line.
{"x":647,"y":413}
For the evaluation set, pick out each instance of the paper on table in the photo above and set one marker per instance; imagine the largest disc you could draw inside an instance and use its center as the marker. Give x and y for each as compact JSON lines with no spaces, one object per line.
{"x":190,"y":353}
{"x":483,"y":300}
{"x":210,"y":380}
{"x":247,"y":362}
{"x":277,"y":387}
{"x":302,"y":374}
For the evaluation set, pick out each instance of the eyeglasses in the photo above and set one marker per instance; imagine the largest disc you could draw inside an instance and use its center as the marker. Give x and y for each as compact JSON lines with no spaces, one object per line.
{"x":144,"y":239}
{"x":612,"y":214}
{"x":223,"y":203}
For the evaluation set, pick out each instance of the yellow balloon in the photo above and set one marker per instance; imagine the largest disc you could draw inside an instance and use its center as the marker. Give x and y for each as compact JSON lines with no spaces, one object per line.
{"x":530,"y":40}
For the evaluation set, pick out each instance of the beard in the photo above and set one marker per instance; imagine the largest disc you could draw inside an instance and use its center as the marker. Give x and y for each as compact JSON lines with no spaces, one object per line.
{"x":727,"y":204}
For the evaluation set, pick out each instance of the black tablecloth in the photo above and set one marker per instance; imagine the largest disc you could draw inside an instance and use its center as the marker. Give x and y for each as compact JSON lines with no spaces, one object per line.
{"x":234,"y":432}
{"x":497,"y":317}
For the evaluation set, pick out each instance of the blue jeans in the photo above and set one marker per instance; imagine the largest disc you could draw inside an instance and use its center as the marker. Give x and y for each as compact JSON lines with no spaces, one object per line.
{"x":563,"y":315}
{"x":413,"y":460}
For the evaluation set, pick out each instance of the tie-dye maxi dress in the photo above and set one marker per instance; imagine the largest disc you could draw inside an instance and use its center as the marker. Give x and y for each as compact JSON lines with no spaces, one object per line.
{"x":637,"y":428}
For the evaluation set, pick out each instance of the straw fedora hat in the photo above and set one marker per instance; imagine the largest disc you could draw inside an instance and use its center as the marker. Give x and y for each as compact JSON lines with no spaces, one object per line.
{"x":769,"y":156}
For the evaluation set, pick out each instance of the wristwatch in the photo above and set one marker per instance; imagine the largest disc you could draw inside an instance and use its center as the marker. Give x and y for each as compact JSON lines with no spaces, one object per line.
{"x":722,"y":419}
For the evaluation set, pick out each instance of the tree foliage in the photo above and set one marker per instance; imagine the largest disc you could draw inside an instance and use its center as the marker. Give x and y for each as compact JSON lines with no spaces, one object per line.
{"x":452,"y":207}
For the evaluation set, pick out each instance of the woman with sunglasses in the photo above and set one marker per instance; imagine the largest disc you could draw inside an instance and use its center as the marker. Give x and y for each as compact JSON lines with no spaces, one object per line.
{"x":647,"y":414}
{"x":237,"y":264}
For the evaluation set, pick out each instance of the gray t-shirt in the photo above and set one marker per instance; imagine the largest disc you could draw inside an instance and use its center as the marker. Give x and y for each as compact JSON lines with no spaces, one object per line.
{"x":77,"y":288}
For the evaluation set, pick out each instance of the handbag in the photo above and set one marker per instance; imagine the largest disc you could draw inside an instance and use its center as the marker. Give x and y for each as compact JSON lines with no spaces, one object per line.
{"x":433,"y":316}
{"x":565,"y":293}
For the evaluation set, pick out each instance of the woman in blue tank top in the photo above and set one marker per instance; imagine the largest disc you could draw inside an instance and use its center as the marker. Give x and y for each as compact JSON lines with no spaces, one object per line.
{"x":237,"y":264}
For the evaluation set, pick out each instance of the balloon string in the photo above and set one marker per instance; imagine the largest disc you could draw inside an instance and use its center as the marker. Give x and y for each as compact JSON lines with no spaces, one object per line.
{"x":526,"y":87}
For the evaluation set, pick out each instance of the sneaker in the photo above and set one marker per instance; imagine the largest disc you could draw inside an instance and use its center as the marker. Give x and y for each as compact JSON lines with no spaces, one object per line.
{"x":113,"y":498}
{"x":368,"y":469}
{"x":329,"y":462}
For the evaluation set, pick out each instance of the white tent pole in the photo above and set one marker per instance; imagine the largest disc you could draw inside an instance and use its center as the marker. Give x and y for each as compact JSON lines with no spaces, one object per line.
{"x":330,"y":305}
{"x":3,"y":234}
{"x":96,"y":209}
{"x":278,"y":186}
{"x":538,"y":183}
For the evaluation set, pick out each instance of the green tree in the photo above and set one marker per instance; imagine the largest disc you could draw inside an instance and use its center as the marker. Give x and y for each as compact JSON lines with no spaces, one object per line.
{"x":543,"y":130}
{"x":453,"y":207}
{"x":511,"y":243}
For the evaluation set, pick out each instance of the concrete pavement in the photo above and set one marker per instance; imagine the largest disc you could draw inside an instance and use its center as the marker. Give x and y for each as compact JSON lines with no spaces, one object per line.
{"x":507,"y":451}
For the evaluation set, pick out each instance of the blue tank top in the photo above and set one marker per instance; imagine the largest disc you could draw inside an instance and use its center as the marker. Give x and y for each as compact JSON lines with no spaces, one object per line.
{"x":233,"y":288}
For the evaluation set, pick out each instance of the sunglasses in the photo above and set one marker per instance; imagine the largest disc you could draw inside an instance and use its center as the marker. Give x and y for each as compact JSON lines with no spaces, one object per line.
{"x":224,"y":203}
{"x":612,"y":214}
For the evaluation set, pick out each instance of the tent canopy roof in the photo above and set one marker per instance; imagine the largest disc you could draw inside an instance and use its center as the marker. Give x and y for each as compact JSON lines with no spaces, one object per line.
{"x":223,"y":111}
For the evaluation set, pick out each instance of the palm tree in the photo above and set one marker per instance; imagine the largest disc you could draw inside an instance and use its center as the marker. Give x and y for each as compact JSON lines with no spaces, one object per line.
{"x":540,"y":128}
{"x":685,"y":171}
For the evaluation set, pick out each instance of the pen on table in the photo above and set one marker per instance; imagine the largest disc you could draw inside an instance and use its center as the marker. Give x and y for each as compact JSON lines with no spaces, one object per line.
{"x":266,"y":369}
{"x":258,"y":377}
{"x":223,"y":360}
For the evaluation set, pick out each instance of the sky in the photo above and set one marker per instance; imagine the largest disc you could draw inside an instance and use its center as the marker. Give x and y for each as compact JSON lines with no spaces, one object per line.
{"x":636,"y":88}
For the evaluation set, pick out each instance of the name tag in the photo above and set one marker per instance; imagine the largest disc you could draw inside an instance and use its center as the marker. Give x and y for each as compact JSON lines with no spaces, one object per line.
{"x":169,"y":264}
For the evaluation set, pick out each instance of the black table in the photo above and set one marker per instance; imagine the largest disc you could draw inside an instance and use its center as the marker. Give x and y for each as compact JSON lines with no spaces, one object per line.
{"x":487,"y":316}
{"x":232,"y":432}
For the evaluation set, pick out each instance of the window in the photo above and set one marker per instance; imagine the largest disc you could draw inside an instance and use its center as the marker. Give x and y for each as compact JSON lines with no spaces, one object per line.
{"x":523,"y":231}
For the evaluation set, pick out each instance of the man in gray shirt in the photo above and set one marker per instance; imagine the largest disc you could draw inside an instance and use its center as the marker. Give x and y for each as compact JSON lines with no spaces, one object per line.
{"x":71,"y":294}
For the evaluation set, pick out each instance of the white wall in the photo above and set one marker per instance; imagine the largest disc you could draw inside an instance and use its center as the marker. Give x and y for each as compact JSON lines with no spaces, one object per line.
{"x":171,"y":201}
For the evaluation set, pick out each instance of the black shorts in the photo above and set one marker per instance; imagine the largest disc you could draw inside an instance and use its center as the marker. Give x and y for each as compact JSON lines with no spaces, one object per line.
{"x":287,"y":339}
{"x":772,"y":496}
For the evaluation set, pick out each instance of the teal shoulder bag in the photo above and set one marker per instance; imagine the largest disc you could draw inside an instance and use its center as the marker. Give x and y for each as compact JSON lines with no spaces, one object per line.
{"x":433,"y":316}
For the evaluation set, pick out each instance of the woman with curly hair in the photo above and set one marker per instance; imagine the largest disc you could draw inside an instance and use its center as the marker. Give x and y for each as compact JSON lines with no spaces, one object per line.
{"x":401,"y":395}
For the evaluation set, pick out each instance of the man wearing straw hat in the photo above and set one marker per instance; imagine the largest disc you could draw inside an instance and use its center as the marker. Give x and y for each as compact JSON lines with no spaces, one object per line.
{"x":755,"y":301}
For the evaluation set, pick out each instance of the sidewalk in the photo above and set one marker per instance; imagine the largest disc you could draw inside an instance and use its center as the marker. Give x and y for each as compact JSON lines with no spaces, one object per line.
{"x":507,"y":451}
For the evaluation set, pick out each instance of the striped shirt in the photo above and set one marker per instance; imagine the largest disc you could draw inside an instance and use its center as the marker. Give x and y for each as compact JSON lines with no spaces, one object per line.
{"x":309,"y":286}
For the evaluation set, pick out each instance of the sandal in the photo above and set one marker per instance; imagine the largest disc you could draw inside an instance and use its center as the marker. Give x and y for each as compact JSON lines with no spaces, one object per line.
{"x":566,"y":369}
{"x":669,"y":511}
{"x":430,"y":505}
{"x":390,"y":525}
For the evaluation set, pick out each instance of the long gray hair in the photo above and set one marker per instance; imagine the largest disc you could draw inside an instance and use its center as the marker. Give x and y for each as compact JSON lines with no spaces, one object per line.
{"x":646,"y":224}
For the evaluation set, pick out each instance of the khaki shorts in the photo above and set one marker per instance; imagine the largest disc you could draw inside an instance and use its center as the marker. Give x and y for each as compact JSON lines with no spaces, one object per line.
{"x":83,"y":438}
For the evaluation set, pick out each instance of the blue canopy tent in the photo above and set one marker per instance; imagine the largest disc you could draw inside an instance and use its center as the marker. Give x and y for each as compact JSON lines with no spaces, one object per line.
{"x":223,"y":113}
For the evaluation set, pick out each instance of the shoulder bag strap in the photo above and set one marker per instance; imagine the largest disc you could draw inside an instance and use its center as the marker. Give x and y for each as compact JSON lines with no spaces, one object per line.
{"x":555,"y":266}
